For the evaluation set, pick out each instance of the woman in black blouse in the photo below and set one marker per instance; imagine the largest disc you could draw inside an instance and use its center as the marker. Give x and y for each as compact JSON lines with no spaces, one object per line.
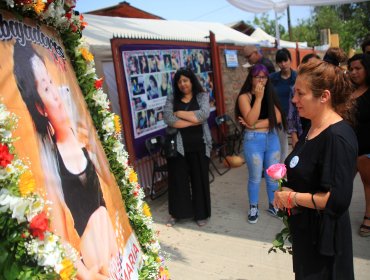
{"x":320,"y":173}
{"x":359,"y":71}
{"x":72,"y":183}
{"x":187,"y":109}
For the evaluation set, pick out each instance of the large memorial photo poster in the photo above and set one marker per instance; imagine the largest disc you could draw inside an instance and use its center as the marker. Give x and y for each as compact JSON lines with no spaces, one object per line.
{"x":59,"y":141}
{"x":149,"y":75}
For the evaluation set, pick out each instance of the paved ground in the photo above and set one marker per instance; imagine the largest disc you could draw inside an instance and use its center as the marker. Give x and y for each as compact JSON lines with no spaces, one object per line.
{"x":228,"y":248}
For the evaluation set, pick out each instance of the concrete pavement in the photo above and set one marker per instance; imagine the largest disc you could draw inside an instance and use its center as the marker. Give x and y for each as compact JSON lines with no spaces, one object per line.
{"x":229,"y":248}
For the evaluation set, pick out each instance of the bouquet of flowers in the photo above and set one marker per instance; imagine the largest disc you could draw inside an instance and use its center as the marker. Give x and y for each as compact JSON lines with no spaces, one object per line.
{"x":29,"y":249}
{"x":278,"y":172}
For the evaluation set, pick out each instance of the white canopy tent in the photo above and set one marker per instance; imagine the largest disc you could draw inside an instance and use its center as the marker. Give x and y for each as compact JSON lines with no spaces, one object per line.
{"x":268,"y":40}
{"x":279,"y":6}
{"x":101,"y":29}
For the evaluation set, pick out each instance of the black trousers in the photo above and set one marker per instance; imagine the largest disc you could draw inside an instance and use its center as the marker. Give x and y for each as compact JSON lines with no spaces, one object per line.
{"x":188,"y":186}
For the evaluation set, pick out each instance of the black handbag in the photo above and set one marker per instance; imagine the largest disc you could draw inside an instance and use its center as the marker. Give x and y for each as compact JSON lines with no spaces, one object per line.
{"x":170,"y":138}
{"x":170,"y":142}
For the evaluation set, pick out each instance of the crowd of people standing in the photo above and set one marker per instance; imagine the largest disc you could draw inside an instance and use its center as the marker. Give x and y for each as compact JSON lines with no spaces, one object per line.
{"x":323,"y":107}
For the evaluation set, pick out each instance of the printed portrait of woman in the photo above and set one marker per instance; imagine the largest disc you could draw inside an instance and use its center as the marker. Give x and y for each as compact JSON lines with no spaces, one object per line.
{"x":76,"y":181}
{"x":144,"y":66}
{"x":166,"y":85}
{"x":152,"y":89}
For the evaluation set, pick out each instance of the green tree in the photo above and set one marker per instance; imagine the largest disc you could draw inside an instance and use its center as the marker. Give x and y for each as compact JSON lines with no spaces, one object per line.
{"x":267,"y":25}
{"x":350,"y":21}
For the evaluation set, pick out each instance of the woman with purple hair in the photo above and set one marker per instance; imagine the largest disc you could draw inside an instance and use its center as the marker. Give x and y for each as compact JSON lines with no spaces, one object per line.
{"x":258,"y":109}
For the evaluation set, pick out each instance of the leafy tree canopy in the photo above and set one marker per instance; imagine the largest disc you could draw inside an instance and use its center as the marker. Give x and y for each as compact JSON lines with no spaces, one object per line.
{"x":350,"y":21}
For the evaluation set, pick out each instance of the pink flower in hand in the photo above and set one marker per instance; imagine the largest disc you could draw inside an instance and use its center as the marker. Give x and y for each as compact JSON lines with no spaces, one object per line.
{"x":277,"y":171}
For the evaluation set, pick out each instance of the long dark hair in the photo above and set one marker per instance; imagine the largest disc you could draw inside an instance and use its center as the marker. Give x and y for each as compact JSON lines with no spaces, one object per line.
{"x":26,"y":82}
{"x":196,"y":86}
{"x":272,"y":99}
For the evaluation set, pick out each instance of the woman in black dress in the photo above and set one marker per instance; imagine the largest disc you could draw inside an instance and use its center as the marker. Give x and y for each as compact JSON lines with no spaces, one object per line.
{"x":321,"y":169}
{"x":359,"y":71}
{"x":187,"y":109}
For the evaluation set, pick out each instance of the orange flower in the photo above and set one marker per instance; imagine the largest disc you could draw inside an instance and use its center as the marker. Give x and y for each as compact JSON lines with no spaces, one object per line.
{"x":39,"y":7}
{"x":132,"y":177}
{"x":26,"y":183}
{"x":117,"y":124}
{"x":83,"y":24}
{"x":164,"y":274}
{"x":86,"y":54}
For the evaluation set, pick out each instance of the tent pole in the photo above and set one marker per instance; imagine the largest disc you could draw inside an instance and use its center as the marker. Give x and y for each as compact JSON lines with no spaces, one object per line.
{"x":277,"y":32}
{"x":289,"y":26}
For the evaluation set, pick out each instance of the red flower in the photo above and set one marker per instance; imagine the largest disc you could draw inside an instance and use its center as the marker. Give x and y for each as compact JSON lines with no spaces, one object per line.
{"x":39,"y":225}
{"x":5,"y":156}
{"x":69,"y":15}
{"x":74,"y":28}
{"x":99,"y":83}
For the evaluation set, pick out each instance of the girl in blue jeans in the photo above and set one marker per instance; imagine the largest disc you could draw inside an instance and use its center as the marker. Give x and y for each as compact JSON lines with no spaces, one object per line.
{"x":258,"y":109}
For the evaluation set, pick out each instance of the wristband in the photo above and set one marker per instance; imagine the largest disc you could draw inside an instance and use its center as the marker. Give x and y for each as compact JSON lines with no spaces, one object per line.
{"x":289,"y":203}
{"x":295,"y":199}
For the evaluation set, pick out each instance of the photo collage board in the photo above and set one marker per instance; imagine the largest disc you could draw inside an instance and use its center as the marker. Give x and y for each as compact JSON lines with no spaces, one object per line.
{"x":149,"y":76}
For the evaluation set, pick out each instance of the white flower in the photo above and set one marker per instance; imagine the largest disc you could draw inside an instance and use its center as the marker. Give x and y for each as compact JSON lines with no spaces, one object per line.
{"x":101,"y":99}
{"x":36,"y":206}
{"x":50,"y":12}
{"x":4,"y":174}
{"x":108,"y":125}
{"x":19,"y":206}
{"x":10,"y":3}
{"x":4,"y":115}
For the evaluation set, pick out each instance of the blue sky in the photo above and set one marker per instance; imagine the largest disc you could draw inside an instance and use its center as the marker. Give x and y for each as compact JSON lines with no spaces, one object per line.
{"x":195,"y":10}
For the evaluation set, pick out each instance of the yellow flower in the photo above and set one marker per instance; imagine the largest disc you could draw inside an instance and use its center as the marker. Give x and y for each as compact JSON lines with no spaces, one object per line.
{"x":86,"y":54}
{"x":146,"y":210}
{"x":68,"y":270}
{"x":165,"y":274}
{"x":39,"y":7}
{"x":26,"y":183}
{"x":117,"y":124}
{"x":133,"y":177}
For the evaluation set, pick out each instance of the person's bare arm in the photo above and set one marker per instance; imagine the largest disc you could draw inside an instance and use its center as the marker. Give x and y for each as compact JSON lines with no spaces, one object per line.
{"x":287,"y":198}
{"x":187,"y":116}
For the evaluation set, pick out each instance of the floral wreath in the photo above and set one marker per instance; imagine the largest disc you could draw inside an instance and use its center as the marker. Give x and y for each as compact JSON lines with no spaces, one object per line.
{"x":28,"y":249}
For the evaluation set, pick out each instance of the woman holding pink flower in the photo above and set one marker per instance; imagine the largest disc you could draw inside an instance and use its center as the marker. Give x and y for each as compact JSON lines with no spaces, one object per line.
{"x":320,"y":173}
{"x":257,"y":107}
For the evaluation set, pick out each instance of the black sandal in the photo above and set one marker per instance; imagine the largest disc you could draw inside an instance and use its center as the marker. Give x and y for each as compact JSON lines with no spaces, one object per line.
{"x":364,"y":229}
